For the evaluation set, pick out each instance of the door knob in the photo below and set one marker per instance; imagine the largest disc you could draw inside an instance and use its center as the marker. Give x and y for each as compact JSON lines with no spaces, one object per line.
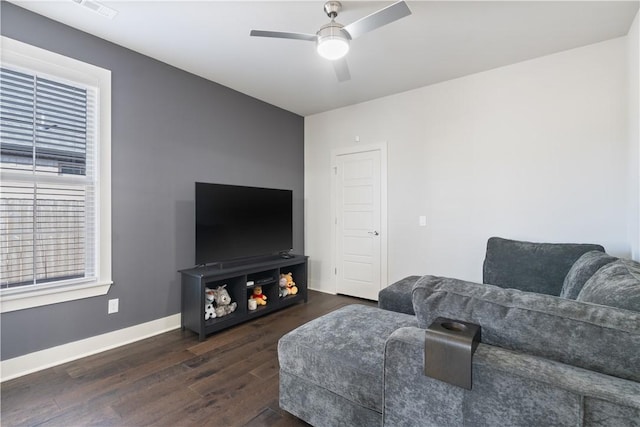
{"x":375,"y":233}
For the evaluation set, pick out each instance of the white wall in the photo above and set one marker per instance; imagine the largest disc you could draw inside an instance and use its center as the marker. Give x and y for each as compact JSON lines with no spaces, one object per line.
{"x":535,"y":151}
{"x":633,"y":55}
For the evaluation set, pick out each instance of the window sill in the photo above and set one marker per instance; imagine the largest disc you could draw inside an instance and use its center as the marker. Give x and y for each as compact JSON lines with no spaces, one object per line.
{"x":13,"y":299}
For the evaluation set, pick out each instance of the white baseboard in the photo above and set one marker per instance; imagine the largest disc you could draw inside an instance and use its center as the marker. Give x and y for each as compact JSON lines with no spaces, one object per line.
{"x":43,"y":359}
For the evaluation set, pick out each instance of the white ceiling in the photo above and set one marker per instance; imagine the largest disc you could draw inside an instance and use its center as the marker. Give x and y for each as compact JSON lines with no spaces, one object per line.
{"x":441,"y":40}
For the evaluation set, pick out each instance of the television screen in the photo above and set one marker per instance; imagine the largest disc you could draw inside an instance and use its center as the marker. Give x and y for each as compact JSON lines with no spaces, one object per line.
{"x":240,"y":222}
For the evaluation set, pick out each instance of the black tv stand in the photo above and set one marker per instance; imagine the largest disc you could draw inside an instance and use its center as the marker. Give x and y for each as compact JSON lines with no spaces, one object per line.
{"x":236,"y":275}
{"x":232,"y":263}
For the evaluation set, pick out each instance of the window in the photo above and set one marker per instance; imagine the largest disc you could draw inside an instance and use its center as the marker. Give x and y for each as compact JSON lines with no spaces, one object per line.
{"x":55,"y":222}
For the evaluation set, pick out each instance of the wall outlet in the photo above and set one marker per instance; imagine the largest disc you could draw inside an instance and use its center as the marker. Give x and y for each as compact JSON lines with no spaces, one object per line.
{"x":114,"y":306}
{"x":422,"y":221}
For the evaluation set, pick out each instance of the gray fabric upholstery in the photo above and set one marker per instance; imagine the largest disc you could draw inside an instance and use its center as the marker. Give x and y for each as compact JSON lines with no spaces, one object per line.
{"x":532,"y":267}
{"x":543,"y":360}
{"x":397,"y":296}
{"x":582,"y":270}
{"x":616,"y":284}
{"x":602,"y":413}
{"x":509,"y":389}
{"x":410,"y":397}
{"x":595,"y":337}
{"x":321,"y":407}
{"x":342,"y":353}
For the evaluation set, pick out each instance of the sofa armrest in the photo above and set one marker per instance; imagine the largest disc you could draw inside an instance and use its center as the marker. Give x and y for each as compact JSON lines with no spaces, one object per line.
{"x":591,"y":336}
{"x":397,"y":296}
{"x":532,"y":267}
{"x":509,"y":388}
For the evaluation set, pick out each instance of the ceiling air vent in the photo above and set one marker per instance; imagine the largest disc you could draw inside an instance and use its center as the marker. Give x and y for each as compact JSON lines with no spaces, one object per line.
{"x":98,"y":8}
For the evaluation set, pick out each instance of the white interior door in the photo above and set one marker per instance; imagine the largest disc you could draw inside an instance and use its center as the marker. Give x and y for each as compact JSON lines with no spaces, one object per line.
{"x":358,"y":223}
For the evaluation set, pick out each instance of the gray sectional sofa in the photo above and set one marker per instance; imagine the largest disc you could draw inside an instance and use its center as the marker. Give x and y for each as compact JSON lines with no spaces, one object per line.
{"x":560,"y":327}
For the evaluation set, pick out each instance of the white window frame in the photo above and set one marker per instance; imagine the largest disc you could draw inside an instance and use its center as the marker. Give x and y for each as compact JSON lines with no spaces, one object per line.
{"x":18,"y":54}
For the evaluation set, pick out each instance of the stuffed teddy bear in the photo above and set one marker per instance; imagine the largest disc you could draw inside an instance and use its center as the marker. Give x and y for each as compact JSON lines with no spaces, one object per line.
{"x":291,"y":285}
{"x":284,"y":291}
{"x":261,"y":299}
{"x":224,"y":305}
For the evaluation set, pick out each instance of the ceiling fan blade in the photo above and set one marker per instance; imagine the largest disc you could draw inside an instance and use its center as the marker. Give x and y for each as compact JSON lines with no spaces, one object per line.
{"x":342,"y":69}
{"x":378,"y":19}
{"x":283,"y":35}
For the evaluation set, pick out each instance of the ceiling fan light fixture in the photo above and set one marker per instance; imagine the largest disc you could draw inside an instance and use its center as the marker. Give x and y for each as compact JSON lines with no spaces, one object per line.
{"x":332,"y":43}
{"x":332,"y":40}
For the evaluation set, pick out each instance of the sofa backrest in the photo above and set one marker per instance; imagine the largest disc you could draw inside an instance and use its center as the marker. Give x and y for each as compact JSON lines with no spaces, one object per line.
{"x":532,"y":267}
{"x":596,"y":337}
{"x":582,"y":270}
{"x":617,"y":284}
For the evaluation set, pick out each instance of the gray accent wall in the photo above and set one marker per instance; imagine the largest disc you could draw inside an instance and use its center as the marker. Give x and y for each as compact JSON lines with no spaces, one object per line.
{"x":169,"y":130}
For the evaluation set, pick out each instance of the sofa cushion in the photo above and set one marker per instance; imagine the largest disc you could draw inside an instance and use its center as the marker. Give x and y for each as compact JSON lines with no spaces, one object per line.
{"x":333,"y":353}
{"x":397,"y":296}
{"x":532,"y":267}
{"x":616,"y":284}
{"x":582,"y":270}
{"x":596,"y":337}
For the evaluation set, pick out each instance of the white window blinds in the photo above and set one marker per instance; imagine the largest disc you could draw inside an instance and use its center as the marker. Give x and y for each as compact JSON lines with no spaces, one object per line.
{"x":47,"y":192}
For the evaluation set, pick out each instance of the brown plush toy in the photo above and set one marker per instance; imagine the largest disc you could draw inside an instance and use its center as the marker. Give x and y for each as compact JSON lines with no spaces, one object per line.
{"x":291,"y":285}
{"x":261,"y":299}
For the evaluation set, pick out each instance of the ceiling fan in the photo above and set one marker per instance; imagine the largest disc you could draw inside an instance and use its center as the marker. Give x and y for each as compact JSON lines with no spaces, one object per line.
{"x":332,"y":40}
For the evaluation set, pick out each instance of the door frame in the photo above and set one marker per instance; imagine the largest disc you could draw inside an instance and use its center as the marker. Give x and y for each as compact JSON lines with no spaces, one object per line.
{"x":381,"y":147}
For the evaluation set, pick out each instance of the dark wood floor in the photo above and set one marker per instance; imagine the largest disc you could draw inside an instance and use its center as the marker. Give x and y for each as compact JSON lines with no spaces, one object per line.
{"x":230,"y":379}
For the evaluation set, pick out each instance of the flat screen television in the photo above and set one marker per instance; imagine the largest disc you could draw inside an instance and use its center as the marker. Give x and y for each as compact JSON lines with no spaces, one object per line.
{"x":235,"y":222}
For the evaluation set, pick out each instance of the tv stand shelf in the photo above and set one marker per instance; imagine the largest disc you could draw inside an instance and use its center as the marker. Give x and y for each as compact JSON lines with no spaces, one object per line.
{"x":263,"y":272}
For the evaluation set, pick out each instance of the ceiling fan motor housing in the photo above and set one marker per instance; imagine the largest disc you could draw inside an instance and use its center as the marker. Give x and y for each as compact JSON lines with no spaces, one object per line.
{"x":332,"y":30}
{"x":332,"y":42}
